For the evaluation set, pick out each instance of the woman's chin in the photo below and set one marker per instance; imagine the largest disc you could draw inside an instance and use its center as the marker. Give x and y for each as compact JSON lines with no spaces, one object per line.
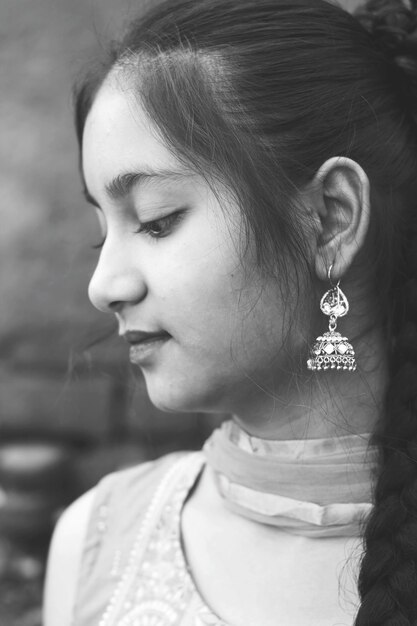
{"x":171,"y":396}
{"x":173,"y":403}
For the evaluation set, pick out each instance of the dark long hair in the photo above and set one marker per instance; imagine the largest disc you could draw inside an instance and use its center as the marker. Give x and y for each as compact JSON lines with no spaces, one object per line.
{"x":258,"y":93}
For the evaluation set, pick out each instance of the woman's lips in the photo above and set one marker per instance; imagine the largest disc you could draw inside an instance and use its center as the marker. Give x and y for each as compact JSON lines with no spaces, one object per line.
{"x":144,"y":345}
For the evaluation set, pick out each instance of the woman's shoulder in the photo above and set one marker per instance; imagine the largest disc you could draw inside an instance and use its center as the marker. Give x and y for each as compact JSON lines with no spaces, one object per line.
{"x":65,"y":555}
{"x":113,"y":506}
{"x":140,"y":479}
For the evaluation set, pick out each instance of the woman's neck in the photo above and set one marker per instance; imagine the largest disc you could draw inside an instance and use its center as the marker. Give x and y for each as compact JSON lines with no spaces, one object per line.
{"x":326,"y":404}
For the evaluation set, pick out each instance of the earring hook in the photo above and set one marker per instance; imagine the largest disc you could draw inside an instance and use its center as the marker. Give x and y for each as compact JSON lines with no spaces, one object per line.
{"x":329,"y":276}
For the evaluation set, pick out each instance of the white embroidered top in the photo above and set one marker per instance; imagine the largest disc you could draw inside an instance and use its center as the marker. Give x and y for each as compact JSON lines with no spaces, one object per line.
{"x":134,"y":572}
{"x":152,"y":585}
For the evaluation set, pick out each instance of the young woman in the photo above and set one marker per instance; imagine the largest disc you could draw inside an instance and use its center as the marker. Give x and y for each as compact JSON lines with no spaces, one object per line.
{"x":253,"y":164}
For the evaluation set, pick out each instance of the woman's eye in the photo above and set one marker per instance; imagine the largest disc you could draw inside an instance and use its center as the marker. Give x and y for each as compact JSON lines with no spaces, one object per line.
{"x":157,"y":229}
{"x":163,"y":226}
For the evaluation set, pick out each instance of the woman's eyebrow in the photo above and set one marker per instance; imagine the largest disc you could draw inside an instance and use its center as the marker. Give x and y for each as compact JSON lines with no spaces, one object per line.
{"x":122,"y":185}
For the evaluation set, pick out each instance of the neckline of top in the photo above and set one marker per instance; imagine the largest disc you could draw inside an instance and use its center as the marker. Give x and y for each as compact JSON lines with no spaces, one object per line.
{"x":183,"y":493}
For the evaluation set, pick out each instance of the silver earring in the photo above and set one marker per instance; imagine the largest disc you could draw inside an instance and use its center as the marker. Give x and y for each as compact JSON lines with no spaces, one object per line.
{"x":331,"y":350}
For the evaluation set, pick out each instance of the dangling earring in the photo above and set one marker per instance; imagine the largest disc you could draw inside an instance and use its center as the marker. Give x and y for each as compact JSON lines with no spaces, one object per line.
{"x":331,"y":350}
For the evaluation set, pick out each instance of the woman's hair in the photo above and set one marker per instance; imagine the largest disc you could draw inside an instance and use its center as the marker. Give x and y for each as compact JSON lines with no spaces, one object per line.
{"x":257,"y":94}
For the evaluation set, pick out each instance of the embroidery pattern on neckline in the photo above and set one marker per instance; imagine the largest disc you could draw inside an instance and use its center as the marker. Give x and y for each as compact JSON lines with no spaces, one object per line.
{"x":156,"y":587}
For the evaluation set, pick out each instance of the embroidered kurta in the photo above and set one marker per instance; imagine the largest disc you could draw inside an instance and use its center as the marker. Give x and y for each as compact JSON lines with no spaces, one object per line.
{"x":134,"y":572}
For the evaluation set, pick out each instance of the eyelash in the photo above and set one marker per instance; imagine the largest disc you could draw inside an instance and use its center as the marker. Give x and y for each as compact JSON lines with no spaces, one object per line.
{"x":169,"y":222}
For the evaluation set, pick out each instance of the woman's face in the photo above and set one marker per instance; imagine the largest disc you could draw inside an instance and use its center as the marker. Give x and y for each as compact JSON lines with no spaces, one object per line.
{"x":171,"y":267}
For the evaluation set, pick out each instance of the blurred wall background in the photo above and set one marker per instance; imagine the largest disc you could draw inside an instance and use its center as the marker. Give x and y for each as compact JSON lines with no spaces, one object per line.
{"x":49,"y":381}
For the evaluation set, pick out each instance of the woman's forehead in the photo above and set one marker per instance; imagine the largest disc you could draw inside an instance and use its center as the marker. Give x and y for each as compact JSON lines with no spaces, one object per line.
{"x":119,"y":137}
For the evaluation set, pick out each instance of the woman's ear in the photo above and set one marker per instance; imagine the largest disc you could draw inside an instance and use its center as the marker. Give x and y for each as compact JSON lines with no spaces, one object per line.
{"x":341,"y":207}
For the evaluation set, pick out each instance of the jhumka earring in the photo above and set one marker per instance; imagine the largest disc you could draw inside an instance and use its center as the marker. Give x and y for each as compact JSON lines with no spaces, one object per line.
{"x":331,"y":350}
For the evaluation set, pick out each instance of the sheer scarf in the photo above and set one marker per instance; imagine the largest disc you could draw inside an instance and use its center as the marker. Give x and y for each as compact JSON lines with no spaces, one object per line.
{"x":311,"y":487}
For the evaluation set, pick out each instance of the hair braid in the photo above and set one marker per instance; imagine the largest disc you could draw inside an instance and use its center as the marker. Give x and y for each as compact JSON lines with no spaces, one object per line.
{"x":388,"y":576}
{"x":393,"y":25}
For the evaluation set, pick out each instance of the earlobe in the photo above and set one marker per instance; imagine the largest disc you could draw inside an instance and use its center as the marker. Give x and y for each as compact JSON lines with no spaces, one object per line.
{"x":343,"y":210}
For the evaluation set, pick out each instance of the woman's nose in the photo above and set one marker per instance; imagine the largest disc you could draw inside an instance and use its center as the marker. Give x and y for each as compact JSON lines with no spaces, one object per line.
{"x":115,"y":281}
